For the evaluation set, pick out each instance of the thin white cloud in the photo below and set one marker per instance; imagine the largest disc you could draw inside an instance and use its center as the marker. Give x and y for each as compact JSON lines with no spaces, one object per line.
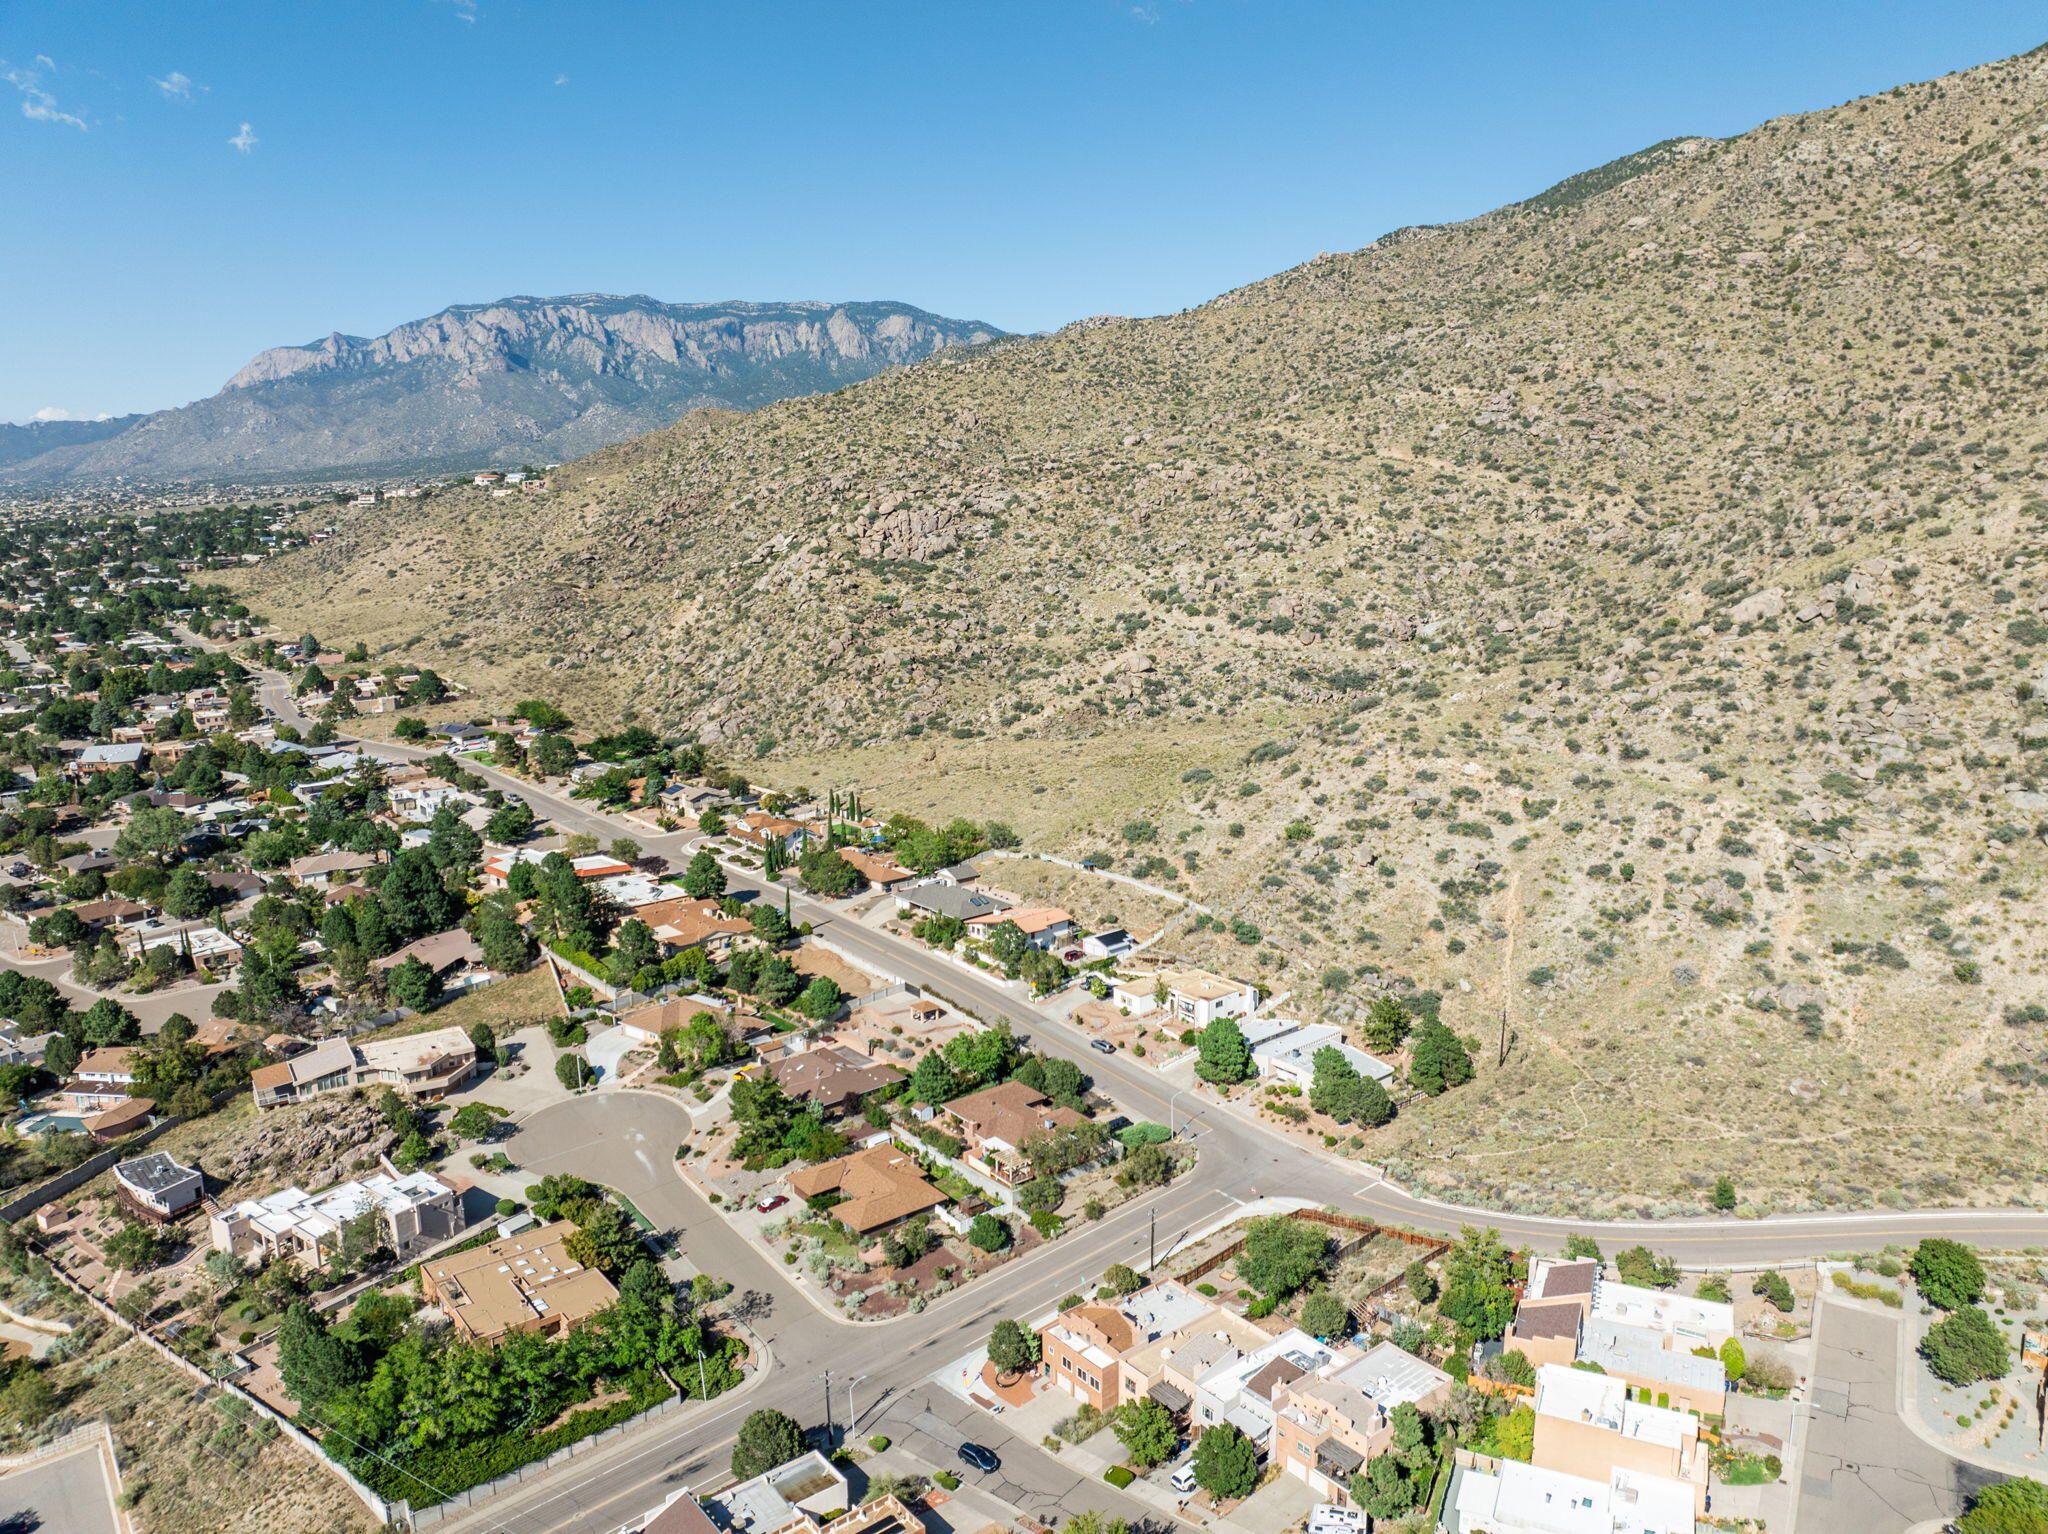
{"x":37,"y":104}
{"x":1149,"y":14}
{"x":245,"y":140}
{"x":52,"y":413}
{"x":465,"y":10}
{"x":177,"y":86}
{"x":561,"y":79}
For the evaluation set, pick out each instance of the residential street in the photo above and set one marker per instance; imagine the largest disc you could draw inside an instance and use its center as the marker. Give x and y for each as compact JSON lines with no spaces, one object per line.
{"x":627,"y":1139}
{"x":1864,"y":1471}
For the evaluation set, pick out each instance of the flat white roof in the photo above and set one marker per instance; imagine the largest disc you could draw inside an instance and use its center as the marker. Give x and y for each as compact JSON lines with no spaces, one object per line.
{"x":1579,"y":1395}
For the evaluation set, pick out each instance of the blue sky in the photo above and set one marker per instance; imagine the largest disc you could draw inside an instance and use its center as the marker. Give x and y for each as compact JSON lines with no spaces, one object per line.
{"x":187,"y":184}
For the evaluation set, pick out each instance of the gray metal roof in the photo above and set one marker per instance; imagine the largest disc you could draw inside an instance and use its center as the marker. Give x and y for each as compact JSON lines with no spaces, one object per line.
{"x":1640,"y":1352}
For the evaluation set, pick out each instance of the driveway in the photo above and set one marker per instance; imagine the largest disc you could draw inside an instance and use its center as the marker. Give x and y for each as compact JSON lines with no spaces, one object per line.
{"x":1863,"y":1470}
{"x":607,"y":1047}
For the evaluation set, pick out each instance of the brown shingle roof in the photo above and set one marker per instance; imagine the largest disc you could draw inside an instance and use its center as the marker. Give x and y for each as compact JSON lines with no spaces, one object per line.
{"x":882,"y":1185}
{"x":1548,"y":1318}
{"x":832,"y":1075}
{"x":1011,"y":1112}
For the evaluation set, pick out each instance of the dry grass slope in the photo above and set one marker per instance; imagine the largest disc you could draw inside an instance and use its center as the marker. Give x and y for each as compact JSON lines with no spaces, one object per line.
{"x":1624,"y":609}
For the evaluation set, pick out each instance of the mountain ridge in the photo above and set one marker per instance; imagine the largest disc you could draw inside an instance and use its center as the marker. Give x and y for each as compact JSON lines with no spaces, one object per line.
{"x":534,"y":377}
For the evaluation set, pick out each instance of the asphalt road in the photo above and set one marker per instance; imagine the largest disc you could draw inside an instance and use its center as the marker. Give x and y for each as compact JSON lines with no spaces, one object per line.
{"x":1863,"y":1470}
{"x":1848,"y":1484}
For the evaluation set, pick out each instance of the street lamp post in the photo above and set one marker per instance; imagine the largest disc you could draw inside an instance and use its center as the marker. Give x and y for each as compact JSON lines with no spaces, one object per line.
{"x":852,"y":1416}
{"x":1169,"y":1107}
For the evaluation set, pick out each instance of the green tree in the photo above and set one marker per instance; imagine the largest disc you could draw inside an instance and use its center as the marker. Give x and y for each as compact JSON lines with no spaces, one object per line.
{"x":1012,"y":1346}
{"x":413,"y":983}
{"x":1577,"y":1247}
{"x":1281,"y":1254}
{"x":820,"y":999}
{"x":1948,"y":1273}
{"x":573,"y":1071}
{"x":766,"y":1439}
{"x":1772,"y":1286}
{"x":1438,"y":1059}
{"x":1724,"y":1193}
{"x":313,"y":1363}
{"x":1222,"y":1055}
{"x":826,"y":873}
{"x":1147,"y":1432}
{"x":1733,"y":1360}
{"x":1324,"y":1315}
{"x":153,"y":832}
{"x":1640,"y":1266}
{"x":135,"y":1247}
{"x":188,"y":896}
{"x":606,"y":1240}
{"x":1226,"y":1464}
{"x":988,"y":1233}
{"x":1966,"y":1346}
{"x":2018,"y":1506}
{"x":1478,"y":1290}
{"x":1007,"y":945}
{"x":1514,"y":1436}
{"x":1386,"y":1024}
{"x":1122,"y":1278}
{"x":702,"y":878}
{"x":511,"y":823}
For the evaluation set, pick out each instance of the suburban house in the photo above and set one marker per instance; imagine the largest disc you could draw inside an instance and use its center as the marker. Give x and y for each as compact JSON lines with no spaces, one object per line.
{"x":1285,"y":1050}
{"x":1327,"y":1426}
{"x":797,"y":1497}
{"x":328,"y":1067}
{"x":497,"y":870}
{"x":1528,"y":1499}
{"x":684,"y":922}
{"x":103,"y":1078}
{"x":833,"y":1077}
{"x":1194,"y":997}
{"x":113,"y":912}
{"x":414,"y":1209}
{"x":1245,"y":1391}
{"x":1044,"y":926}
{"x":123,"y":1118}
{"x":1587,"y":1426}
{"x":324,"y":869}
{"x":208,"y":948}
{"x":1563,"y":1296}
{"x":933,"y":898}
{"x":647,"y":1024}
{"x":683,"y":1514}
{"x":526,"y":1282}
{"x":1643,"y":1357}
{"x":1109,"y":1351}
{"x":425,"y":1065}
{"x":878,"y":869}
{"x":879,"y":1187}
{"x":995,"y":1123}
{"x":157,"y":1187}
{"x":97,"y":759}
{"x":757,"y":828}
{"x":454,"y":956}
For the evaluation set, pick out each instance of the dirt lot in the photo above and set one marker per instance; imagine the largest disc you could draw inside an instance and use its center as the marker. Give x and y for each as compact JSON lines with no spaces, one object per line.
{"x":506,"y":1005}
{"x":810,"y":959}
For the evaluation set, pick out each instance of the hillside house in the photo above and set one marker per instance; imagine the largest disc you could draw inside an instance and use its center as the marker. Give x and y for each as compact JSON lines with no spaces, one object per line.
{"x":526,"y":1282}
{"x":995,"y":1124}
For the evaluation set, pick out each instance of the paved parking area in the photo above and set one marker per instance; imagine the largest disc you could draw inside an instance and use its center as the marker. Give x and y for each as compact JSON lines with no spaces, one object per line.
{"x":70,"y":1493}
{"x":1863,"y":1470}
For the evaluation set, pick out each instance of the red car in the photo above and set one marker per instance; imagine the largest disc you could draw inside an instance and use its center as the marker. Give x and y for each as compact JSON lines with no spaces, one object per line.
{"x":771,"y":1203}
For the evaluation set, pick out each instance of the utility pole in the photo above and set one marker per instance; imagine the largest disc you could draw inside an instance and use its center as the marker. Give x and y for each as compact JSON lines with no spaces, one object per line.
{"x":828,"y":1408}
{"x":1152,"y":1246}
{"x":1503,"y":1060}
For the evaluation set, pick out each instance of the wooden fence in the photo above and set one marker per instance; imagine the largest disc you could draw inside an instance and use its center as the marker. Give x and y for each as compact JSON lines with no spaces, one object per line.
{"x":1361,"y":1231}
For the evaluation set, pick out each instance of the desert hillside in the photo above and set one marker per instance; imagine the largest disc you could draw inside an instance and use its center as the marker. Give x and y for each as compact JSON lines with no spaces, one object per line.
{"x":1622,"y":612}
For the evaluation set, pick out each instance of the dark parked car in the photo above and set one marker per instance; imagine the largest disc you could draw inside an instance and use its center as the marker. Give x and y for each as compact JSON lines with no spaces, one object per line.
{"x":981,"y":1459}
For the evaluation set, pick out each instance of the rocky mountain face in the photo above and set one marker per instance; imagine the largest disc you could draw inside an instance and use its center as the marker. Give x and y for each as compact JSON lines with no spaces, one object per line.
{"x":523,"y":378}
{"x":24,"y":440}
{"x":1623,"y":613}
